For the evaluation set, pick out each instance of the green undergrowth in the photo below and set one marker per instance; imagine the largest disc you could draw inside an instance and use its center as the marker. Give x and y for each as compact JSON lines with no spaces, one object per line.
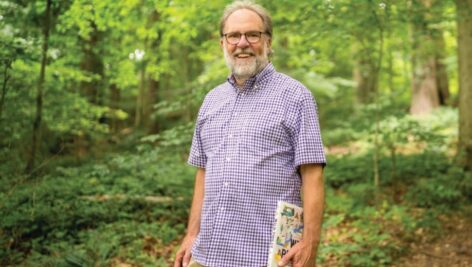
{"x":100,"y":213}
{"x":132,"y":208}
{"x":369,"y":226}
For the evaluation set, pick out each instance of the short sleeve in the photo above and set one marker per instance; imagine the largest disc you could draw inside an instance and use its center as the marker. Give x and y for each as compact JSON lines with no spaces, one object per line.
{"x":308,"y":145}
{"x":197,"y":156}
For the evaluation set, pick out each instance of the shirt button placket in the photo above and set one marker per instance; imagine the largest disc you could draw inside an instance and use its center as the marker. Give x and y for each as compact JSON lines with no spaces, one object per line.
{"x":227,"y":165}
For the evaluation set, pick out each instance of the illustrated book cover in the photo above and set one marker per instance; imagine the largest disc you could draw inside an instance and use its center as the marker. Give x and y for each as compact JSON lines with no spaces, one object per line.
{"x":287,"y":231}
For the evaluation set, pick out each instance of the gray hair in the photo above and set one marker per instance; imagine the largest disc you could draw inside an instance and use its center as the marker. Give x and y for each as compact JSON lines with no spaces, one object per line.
{"x":250,"y":5}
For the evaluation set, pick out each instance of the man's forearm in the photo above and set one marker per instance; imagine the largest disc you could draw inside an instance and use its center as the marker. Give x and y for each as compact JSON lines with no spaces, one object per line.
{"x":313,"y":202}
{"x":193,"y":227}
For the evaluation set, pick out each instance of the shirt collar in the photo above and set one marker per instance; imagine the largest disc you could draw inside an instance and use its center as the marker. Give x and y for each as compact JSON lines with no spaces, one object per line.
{"x":257,"y":79}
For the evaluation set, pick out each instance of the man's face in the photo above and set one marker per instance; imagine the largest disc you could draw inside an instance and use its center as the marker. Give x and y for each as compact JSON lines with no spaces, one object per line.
{"x":245,"y":59}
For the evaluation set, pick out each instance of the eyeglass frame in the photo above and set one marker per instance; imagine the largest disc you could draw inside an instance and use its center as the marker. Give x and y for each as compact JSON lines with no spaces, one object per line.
{"x":225,"y":35}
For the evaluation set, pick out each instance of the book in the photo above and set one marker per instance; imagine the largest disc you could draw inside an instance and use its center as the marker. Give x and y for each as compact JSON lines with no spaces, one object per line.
{"x":287,"y":232}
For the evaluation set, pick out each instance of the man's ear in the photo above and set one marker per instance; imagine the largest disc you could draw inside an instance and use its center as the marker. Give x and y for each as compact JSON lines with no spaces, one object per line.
{"x":221,"y":43}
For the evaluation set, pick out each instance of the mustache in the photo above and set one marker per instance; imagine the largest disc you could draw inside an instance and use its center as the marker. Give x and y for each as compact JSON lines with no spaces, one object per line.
{"x":243,"y":51}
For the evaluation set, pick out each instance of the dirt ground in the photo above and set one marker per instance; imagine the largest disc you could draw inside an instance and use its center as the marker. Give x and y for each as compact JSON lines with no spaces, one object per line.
{"x":452,"y":248}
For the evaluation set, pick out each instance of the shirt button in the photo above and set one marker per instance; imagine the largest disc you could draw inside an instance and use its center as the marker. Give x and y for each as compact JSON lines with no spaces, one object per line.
{"x":226,"y":184}
{"x":228,"y":159}
{"x":230,"y":136}
{"x":235,"y":114}
{"x":222,"y":209}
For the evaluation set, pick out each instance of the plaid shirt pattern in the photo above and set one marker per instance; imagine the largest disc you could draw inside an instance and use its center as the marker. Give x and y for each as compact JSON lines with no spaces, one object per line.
{"x":250,"y":143}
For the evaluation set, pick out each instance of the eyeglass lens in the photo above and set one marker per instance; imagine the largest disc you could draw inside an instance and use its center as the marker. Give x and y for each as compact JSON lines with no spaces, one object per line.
{"x":251,"y":37}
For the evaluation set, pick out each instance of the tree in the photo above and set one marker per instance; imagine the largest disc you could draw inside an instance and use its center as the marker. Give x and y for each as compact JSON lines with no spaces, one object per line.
{"x":92,"y":64}
{"x":40,"y":85}
{"x":464,"y":41}
{"x":429,"y":81}
{"x":6,"y":62}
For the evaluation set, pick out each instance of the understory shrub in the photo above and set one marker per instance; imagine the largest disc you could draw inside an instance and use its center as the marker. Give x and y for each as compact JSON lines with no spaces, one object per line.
{"x":84,"y":216}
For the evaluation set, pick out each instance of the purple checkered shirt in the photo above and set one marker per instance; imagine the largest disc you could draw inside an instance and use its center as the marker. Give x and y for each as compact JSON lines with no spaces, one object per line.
{"x":250,"y":143}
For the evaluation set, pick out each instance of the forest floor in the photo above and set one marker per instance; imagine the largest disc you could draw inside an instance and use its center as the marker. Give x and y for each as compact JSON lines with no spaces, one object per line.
{"x":450,"y":248}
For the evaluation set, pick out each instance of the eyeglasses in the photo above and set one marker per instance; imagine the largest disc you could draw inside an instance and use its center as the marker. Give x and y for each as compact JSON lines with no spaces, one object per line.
{"x":252,"y":37}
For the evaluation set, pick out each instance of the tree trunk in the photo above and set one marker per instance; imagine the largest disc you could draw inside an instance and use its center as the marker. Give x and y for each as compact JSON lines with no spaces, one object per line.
{"x":153,"y":90}
{"x":153,"y":82}
{"x":425,"y":96}
{"x":390,"y":71}
{"x":366,"y":78}
{"x":6,"y":77}
{"x":430,"y":82}
{"x":39,"y":95}
{"x":140,"y":101}
{"x":92,"y":64}
{"x":464,"y":30}
{"x":442,"y":80}
{"x":115,"y":98}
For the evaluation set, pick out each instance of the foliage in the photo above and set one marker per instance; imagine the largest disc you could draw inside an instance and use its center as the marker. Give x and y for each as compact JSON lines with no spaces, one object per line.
{"x":442,"y":191}
{"x":363,"y":235}
{"x":123,"y":84}
{"x":62,"y":216}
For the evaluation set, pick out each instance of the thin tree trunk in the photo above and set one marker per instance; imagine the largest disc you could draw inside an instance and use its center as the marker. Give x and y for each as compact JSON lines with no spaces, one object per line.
{"x":390,"y":71}
{"x":186,"y":73}
{"x":39,"y":95}
{"x":153,"y":83}
{"x":153,"y":90}
{"x":378,"y":66}
{"x":6,"y":77}
{"x":115,"y":98}
{"x":464,"y":30}
{"x":92,"y":64}
{"x":393,"y":157}
{"x":140,"y":102}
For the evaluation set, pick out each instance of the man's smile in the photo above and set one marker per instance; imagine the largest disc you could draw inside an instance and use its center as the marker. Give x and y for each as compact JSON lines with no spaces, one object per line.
{"x":243,"y":55}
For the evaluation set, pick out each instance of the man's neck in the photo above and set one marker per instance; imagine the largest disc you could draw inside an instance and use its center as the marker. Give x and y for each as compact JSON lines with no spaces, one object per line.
{"x":240,"y":80}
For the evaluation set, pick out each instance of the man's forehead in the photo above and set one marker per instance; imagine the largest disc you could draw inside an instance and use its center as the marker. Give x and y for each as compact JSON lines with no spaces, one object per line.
{"x":244,"y":20}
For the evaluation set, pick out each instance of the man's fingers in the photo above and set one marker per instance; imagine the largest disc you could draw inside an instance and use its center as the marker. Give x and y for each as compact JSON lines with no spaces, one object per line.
{"x":297,"y":262}
{"x":178,"y":261}
{"x":186,"y":258}
{"x":287,"y":257}
{"x":178,"y":258}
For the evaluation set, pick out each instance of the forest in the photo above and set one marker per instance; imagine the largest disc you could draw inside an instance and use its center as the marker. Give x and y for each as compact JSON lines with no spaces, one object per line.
{"x":99,"y":99}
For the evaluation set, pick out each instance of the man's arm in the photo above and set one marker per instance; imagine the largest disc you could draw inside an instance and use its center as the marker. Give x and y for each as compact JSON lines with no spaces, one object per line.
{"x":303,"y":254}
{"x":183,"y":255}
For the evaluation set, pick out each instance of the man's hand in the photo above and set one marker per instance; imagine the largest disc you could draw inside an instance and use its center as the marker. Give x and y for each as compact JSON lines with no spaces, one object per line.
{"x":303,"y":254}
{"x":182,"y":258}
{"x":184,"y":254}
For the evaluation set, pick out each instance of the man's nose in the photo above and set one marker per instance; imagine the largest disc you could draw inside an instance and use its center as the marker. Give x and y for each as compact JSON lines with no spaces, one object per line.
{"x":243,"y":41}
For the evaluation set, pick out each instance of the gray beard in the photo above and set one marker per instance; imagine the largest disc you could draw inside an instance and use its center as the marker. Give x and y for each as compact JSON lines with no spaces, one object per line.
{"x":245,"y":71}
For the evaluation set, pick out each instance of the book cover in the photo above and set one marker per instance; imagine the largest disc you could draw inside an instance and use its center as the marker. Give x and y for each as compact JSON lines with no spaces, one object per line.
{"x":287,"y":232}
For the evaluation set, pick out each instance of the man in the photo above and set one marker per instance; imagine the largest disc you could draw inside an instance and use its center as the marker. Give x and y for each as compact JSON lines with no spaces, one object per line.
{"x":256,"y":142}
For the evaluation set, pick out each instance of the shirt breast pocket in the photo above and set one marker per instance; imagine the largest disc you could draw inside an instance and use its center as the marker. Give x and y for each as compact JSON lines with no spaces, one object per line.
{"x":264,"y":131}
{"x":212,"y":132}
